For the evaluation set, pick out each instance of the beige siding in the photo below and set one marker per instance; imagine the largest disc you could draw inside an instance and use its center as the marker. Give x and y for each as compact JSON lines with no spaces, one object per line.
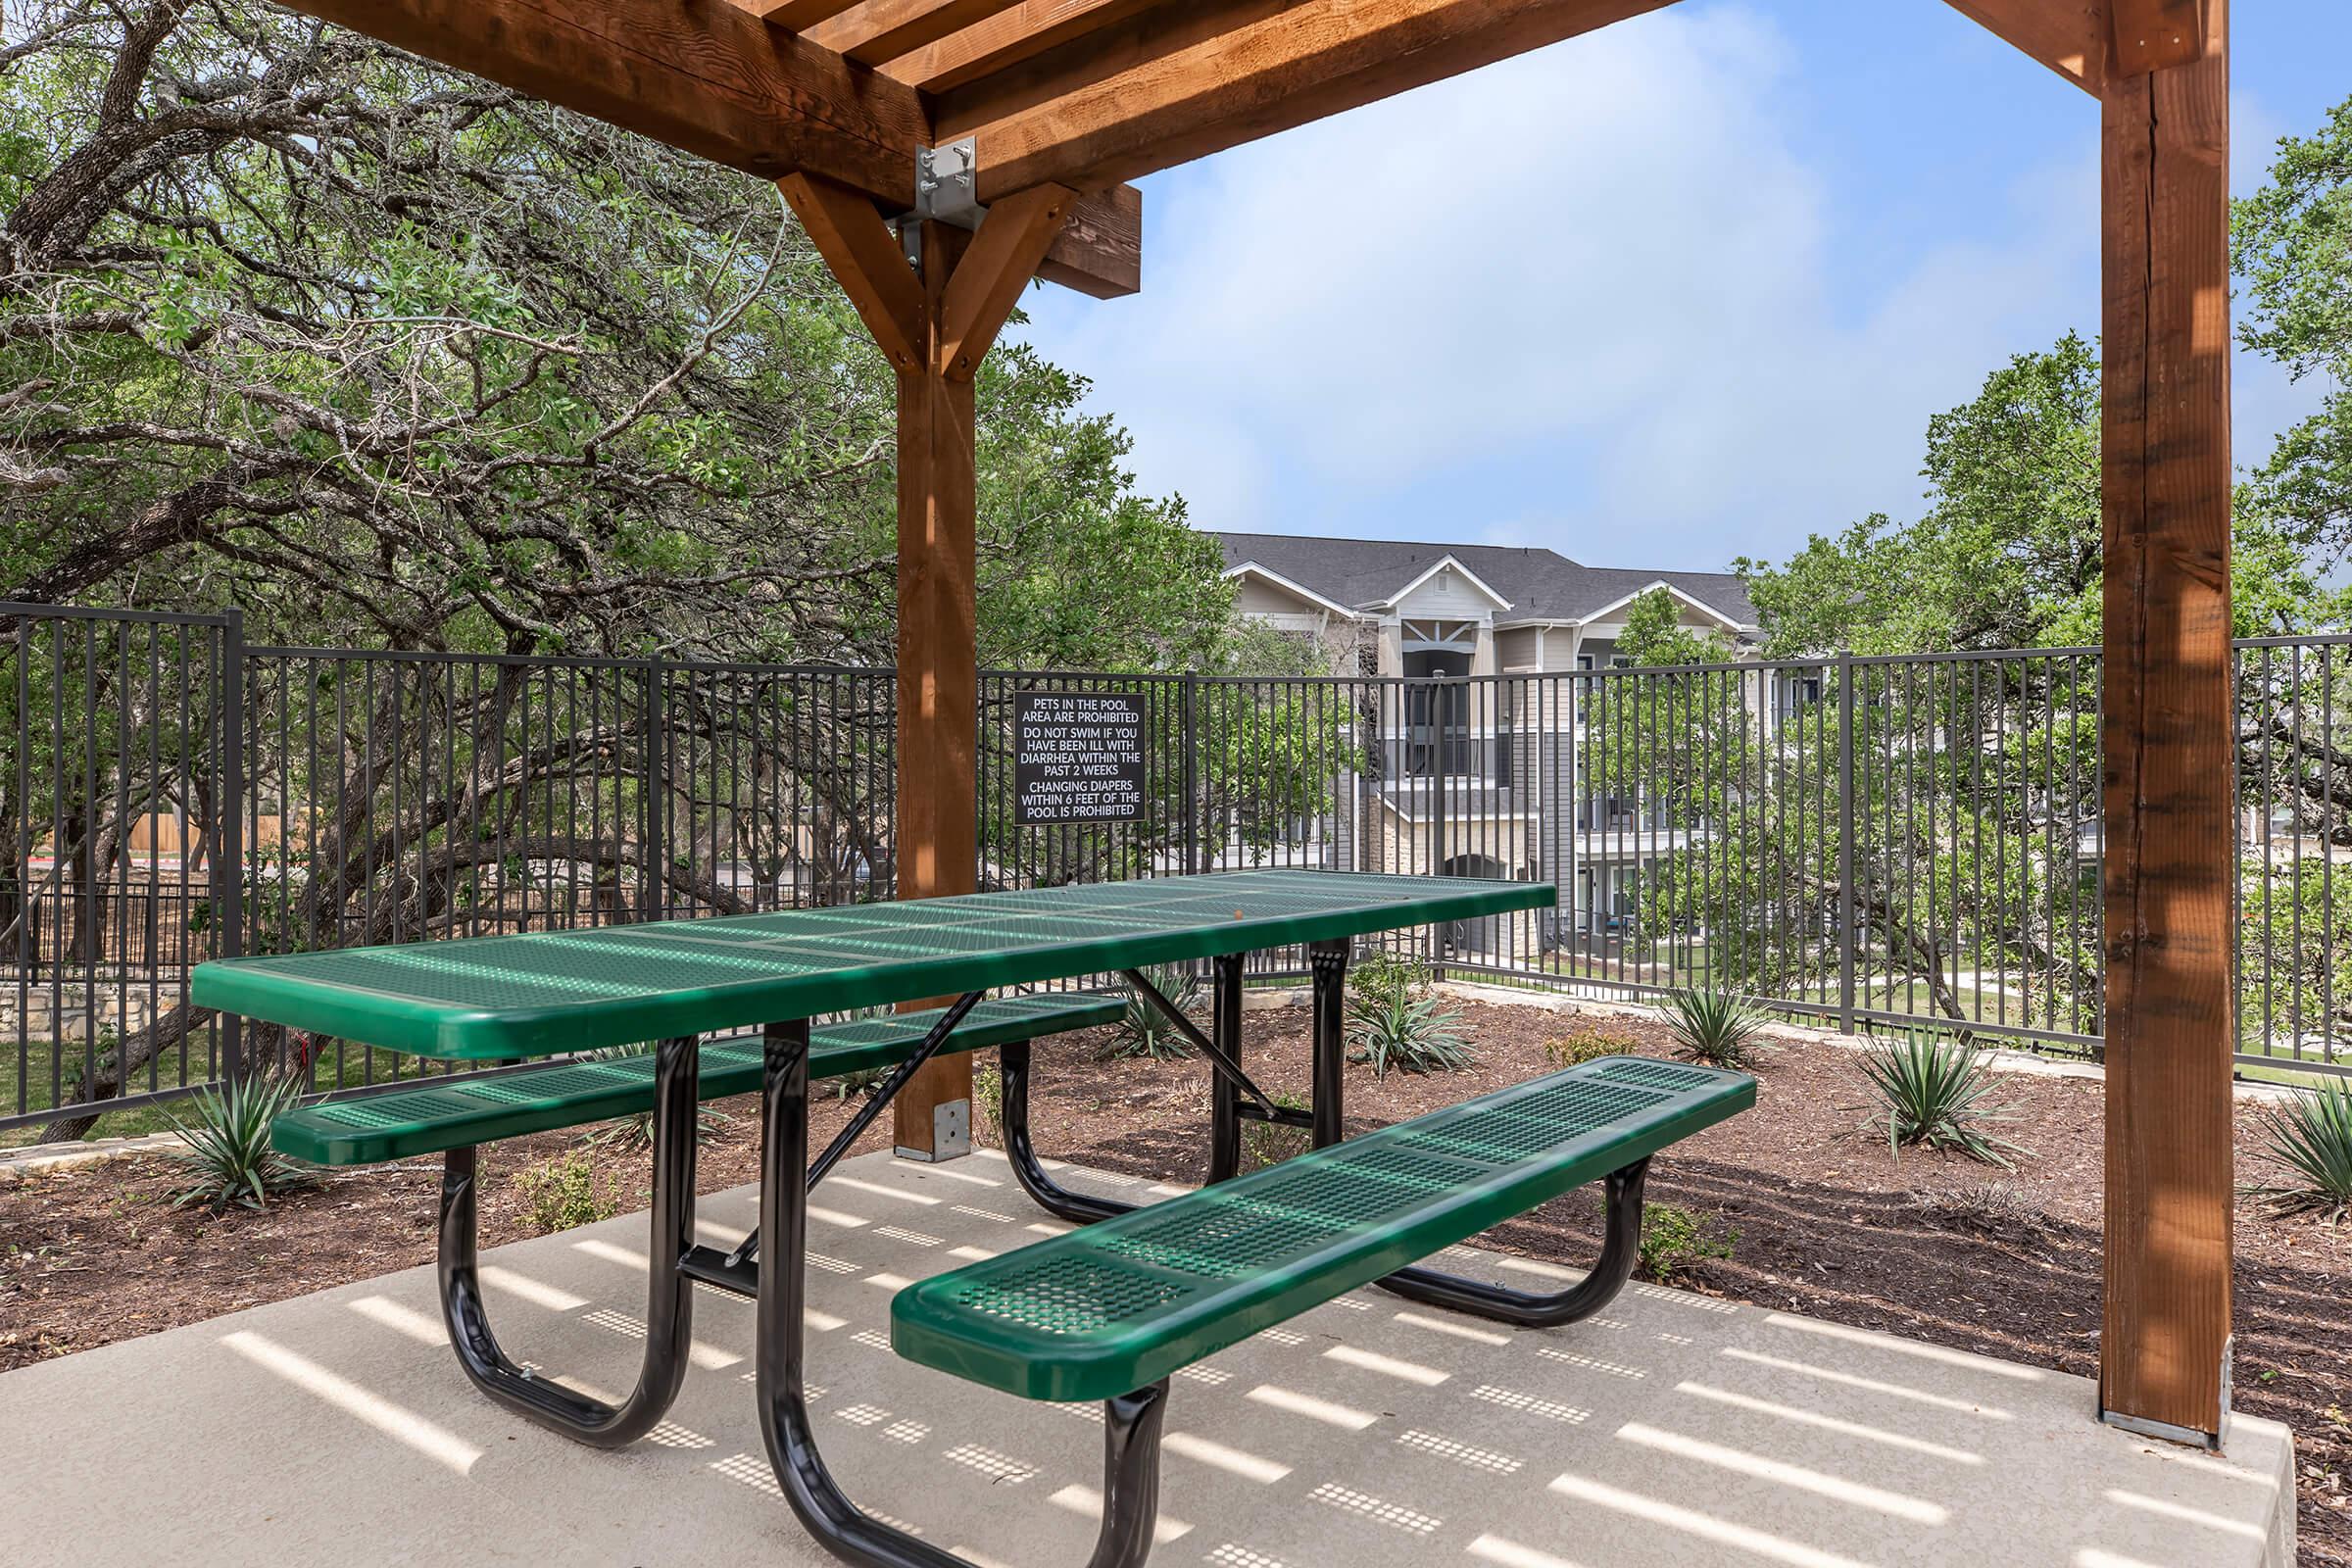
{"x":1259,"y":596}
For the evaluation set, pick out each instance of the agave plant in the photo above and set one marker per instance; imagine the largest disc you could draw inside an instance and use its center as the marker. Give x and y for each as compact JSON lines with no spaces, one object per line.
{"x":225,"y":1151}
{"x":1714,"y":1028}
{"x":1927,"y":1090}
{"x":2312,"y":1136}
{"x":1392,"y":1022}
{"x":1145,"y":1031}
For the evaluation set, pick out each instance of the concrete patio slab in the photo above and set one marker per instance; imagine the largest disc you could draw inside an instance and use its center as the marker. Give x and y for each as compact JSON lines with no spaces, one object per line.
{"x":1673,"y":1430}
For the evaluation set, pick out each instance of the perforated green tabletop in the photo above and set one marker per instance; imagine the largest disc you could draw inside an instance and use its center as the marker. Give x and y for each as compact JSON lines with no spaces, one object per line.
{"x":563,"y":991}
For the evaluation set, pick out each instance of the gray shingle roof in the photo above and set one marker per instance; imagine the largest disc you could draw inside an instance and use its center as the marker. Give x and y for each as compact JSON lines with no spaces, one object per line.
{"x":1541,"y":584}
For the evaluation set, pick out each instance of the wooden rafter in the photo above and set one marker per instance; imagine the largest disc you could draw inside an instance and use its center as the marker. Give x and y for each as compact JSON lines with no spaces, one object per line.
{"x":718,"y":81}
{"x":1019,"y":33}
{"x":2158,"y":34}
{"x":2070,"y":37}
{"x":797,"y":15}
{"x":1171,"y":83}
{"x":881,"y":29}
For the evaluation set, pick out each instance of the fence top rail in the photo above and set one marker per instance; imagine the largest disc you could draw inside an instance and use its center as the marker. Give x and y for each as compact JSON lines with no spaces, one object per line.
{"x":2315,"y":640}
{"x":21,"y":613}
{"x":649,"y":662}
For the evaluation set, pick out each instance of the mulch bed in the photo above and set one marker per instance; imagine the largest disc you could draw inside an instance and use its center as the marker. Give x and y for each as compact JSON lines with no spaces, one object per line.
{"x":1821,"y":1220}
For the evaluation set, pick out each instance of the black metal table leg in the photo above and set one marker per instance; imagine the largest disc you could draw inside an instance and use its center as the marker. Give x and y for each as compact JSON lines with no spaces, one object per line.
{"x":1131,"y":1423}
{"x":669,"y":1293}
{"x":1618,"y":1253}
{"x":1329,"y":962}
{"x":1224,"y":1094}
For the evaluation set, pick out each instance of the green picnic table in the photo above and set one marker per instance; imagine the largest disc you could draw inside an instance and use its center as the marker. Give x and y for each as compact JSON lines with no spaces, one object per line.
{"x":1106,"y":1311}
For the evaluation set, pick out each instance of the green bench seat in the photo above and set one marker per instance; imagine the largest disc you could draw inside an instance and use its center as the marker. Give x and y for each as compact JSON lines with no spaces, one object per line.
{"x":1122,"y":1304}
{"x":372,"y":1129}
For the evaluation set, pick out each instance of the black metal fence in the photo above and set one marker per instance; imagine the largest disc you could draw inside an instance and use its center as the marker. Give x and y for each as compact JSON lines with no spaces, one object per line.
{"x":1872,"y":842}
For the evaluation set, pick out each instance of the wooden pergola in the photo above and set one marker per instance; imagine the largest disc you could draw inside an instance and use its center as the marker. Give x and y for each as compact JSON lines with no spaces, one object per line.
{"x":941,"y":152}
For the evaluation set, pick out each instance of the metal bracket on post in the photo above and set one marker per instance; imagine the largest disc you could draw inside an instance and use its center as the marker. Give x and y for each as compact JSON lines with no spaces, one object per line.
{"x":947,"y":190}
{"x":950,"y":1134}
{"x":946,"y":184}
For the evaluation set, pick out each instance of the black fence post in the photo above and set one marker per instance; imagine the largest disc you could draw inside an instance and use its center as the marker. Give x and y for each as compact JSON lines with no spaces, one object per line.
{"x":1187,"y":740}
{"x":228,"y":851}
{"x":652,"y":895}
{"x":1845,"y":841}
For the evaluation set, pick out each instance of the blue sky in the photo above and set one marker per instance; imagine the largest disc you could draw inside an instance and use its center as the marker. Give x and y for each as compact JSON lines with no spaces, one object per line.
{"x":1684,"y":290}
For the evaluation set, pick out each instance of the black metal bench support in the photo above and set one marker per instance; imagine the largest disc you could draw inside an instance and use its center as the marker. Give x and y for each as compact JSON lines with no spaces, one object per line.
{"x":1131,"y":1423}
{"x":1620,"y":1248}
{"x":669,"y":1291}
{"x":1227,"y":1105}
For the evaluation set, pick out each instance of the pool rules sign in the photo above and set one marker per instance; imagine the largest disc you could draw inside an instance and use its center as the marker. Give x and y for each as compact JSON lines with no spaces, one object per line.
{"x":1077,"y":757}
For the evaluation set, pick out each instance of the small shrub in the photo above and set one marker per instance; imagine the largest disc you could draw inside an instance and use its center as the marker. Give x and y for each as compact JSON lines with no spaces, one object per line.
{"x":1927,"y":1090}
{"x":1263,"y":1143}
{"x":564,"y":1194}
{"x":1145,"y":1031}
{"x":988,"y":1103}
{"x":2311,"y":1135}
{"x":227,"y":1153}
{"x":1393,"y":1021}
{"x":1714,"y":1028}
{"x":1998,"y":1210}
{"x":1676,"y":1239}
{"x":1586,"y":1044}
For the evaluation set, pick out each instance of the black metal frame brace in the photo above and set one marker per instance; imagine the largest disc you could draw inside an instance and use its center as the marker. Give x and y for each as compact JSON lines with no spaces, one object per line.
{"x":1131,"y":1422}
{"x":1619,"y":1248}
{"x":669,"y":1291}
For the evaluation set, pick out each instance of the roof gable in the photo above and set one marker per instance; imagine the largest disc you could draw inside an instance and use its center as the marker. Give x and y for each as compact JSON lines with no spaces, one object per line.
{"x":1545,"y":586}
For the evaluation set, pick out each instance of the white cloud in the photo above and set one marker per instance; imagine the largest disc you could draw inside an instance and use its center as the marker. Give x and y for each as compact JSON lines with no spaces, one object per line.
{"x":1605,"y":270}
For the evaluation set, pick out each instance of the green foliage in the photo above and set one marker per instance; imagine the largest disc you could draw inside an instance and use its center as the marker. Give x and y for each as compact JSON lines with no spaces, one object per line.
{"x":226,"y":1152}
{"x":1585,"y":1045}
{"x":2289,"y":248}
{"x":988,"y":1103}
{"x":467,"y":371}
{"x":1935,"y":1093}
{"x":1144,"y":1030}
{"x":2009,"y":552}
{"x":565,"y":1193}
{"x":1395,"y":1022}
{"x":1714,"y":1028}
{"x":1677,"y":1239}
{"x":1655,"y":636}
{"x":2312,"y":1136}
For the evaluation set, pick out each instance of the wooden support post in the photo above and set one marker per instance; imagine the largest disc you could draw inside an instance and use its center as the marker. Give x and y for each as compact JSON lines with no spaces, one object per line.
{"x":936,"y":328}
{"x":2168,"y":744}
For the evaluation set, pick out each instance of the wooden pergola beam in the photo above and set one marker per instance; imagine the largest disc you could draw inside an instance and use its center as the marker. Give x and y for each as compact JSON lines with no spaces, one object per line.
{"x":2170,"y":736}
{"x":1175,"y":82}
{"x":2159,"y":35}
{"x":716,"y":79}
{"x":2070,"y":37}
